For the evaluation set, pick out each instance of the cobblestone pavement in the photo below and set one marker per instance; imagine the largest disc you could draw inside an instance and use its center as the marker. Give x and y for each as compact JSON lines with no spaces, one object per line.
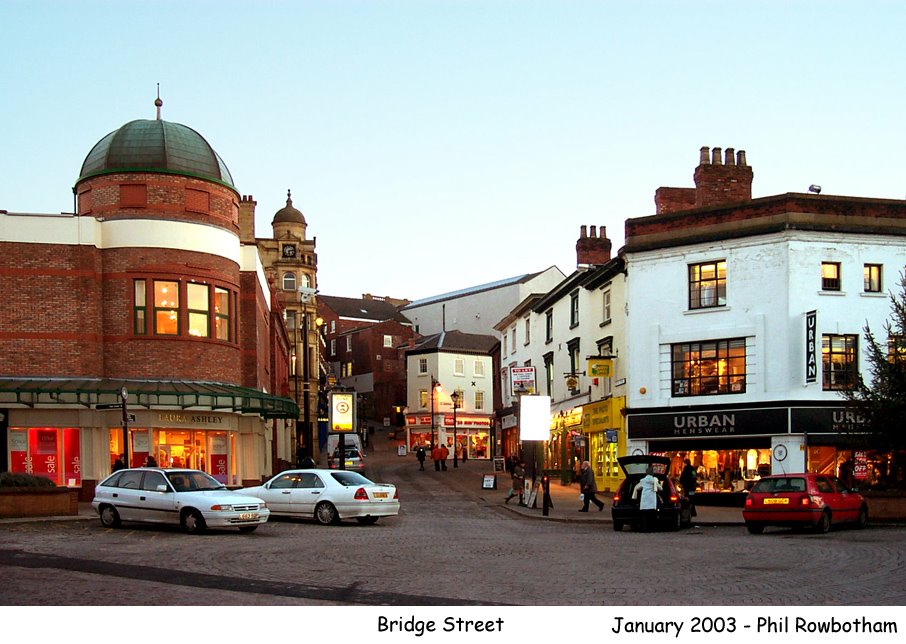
{"x":453,"y":543}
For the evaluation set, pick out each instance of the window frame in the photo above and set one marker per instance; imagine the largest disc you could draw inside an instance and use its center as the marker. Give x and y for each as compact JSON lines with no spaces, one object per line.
{"x":140,"y":306}
{"x":831,"y":284}
{"x":459,"y":367}
{"x":288,"y":278}
{"x":872,"y":283}
{"x":836,"y":379}
{"x":574,"y":309}
{"x":158,"y":310}
{"x":698,"y":373}
{"x":606,"y":307}
{"x":422,"y":366}
{"x":699,"y":285}
{"x":198,"y":313}
{"x":548,"y":326}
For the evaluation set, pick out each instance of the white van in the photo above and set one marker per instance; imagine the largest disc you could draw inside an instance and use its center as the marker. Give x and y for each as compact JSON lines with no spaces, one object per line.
{"x":350,"y":439}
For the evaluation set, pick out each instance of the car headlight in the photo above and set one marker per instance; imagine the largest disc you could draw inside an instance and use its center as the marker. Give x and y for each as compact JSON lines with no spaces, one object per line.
{"x":222,"y":508}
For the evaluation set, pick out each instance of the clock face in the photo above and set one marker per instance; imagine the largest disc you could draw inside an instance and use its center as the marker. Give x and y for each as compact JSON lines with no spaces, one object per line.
{"x":780,"y":452}
{"x":289,"y":251}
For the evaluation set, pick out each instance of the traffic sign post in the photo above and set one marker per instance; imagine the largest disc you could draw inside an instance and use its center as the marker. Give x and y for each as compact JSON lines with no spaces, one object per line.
{"x":124,"y":395}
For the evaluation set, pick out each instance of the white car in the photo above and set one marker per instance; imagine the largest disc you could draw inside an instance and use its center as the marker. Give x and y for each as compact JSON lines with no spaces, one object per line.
{"x":328,"y":496}
{"x":189,"y":498}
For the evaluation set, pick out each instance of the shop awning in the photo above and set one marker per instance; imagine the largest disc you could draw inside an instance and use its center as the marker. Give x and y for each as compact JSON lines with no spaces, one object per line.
{"x":148,"y":394}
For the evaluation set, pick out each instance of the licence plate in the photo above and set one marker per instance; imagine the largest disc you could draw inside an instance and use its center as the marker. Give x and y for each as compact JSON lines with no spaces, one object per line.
{"x":248,"y":516}
{"x":780,"y":500}
{"x":348,"y":463}
{"x":380,"y":495}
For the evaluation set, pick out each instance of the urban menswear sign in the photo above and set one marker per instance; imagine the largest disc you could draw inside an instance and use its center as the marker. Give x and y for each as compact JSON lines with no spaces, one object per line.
{"x":710,"y":423}
{"x":811,"y":346}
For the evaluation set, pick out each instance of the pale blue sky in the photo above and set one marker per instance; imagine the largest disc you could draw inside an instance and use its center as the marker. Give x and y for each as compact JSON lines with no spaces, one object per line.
{"x":460,"y":142}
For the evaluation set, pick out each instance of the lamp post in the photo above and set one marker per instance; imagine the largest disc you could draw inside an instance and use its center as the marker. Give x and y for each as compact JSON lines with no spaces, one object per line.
{"x":435,"y":388}
{"x":456,"y":397}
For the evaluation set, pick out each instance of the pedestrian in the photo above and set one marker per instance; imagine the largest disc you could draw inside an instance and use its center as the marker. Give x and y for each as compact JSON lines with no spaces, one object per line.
{"x":511,"y":463}
{"x":689,"y":480}
{"x":589,"y":488}
{"x":648,"y":488}
{"x":420,"y":455}
{"x":465,"y":452}
{"x":119,"y":463}
{"x":518,"y":486}
{"x":435,"y":456}
{"x":444,"y":453}
{"x":151,"y":461}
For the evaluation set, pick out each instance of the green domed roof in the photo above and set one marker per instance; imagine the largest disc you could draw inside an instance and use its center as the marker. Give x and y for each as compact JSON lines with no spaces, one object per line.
{"x":156,"y":146}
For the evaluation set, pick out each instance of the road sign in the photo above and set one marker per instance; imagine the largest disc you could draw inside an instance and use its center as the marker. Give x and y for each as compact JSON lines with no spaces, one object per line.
{"x":109,"y":406}
{"x":130,"y":418}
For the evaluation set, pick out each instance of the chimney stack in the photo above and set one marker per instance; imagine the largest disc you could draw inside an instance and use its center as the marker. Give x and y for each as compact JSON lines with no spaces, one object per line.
{"x":592,"y":249}
{"x":719,"y":183}
{"x":247,"y":205}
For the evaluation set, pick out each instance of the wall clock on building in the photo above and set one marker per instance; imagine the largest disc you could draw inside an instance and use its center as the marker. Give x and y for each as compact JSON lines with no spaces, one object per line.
{"x":289,"y":251}
{"x":779,"y":452}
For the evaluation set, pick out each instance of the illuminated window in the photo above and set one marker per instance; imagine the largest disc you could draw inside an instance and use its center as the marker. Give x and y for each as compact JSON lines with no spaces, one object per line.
{"x":709,"y":368}
{"x":198,"y":297}
{"x":830,"y":276}
{"x":166,"y":308}
{"x":140,"y":308}
{"x":423,"y":398}
{"x":896,"y":349}
{"x":708,"y":285}
{"x":222,"y":314}
{"x":838,"y":356}
{"x":872,"y":273}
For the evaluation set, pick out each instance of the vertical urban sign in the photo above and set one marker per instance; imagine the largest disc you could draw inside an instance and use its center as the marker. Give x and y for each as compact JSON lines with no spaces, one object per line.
{"x":811,"y":346}
{"x":342,"y":411}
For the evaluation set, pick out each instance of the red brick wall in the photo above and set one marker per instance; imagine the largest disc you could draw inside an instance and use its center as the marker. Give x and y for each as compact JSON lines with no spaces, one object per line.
{"x":167,"y":196}
{"x":674,"y":199}
{"x":254,"y":332}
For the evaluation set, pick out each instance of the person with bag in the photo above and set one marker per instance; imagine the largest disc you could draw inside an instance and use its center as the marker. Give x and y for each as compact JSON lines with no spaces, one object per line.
{"x":589,"y":488}
{"x":518,"y":486}
{"x":648,"y":488}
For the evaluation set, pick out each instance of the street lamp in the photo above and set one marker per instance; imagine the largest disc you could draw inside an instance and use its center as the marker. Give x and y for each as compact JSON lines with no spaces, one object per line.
{"x":435,"y":389}
{"x":456,"y":396}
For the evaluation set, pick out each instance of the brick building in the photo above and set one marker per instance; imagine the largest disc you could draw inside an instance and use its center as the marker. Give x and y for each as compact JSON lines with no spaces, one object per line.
{"x":145,"y":295}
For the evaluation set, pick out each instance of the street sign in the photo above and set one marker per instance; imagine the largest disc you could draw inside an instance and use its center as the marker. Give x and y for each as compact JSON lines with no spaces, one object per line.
{"x":109,"y":406}
{"x":130,"y":418}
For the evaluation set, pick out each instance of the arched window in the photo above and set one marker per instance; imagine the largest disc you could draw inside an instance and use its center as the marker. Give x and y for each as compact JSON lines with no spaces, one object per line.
{"x":306,"y":280}
{"x":289,"y":281}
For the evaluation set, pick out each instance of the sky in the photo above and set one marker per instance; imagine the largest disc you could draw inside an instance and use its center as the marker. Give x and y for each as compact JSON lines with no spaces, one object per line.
{"x":434,"y":145}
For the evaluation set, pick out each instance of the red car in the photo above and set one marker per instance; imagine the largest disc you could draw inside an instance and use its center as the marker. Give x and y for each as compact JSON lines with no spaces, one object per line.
{"x":803,"y":500}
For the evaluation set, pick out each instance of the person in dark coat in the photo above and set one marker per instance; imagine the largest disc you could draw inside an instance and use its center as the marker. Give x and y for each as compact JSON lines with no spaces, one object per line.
{"x":689,"y":480}
{"x":119,"y":464}
{"x":589,"y":488}
{"x":151,"y":461}
{"x":420,"y":455}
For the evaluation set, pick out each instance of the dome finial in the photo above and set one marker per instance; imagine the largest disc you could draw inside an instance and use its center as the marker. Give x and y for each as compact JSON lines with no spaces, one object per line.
{"x":157,"y":102}
{"x":289,"y":197}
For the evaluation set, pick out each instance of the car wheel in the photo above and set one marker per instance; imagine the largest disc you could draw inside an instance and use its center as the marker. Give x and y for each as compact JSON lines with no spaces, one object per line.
{"x":110,"y":518}
{"x":193,"y":522}
{"x":862,"y":519}
{"x":326,"y":514}
{"x":754,"y":528}
{"x":618,"y":526}
{"x":367,"y":520}
{"x":824,"y":523}
{"x":248,"y":528}
{"x":676,"y":523}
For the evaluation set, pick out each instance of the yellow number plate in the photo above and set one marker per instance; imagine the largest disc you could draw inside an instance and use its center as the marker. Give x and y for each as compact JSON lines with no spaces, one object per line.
{"x":248,"y":516}
{"x":780,"y":500}
{"x":380,"y":495}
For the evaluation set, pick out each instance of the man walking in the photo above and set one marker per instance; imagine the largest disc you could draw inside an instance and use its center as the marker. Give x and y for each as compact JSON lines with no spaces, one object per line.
{"x":420,"y":455}
{"x":444,"y":453}
{"x":435,"y":456}
{"x":589,"y":487}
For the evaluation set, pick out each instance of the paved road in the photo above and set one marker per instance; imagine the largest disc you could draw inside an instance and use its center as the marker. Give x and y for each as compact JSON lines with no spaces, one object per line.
{"x":453,"y":543}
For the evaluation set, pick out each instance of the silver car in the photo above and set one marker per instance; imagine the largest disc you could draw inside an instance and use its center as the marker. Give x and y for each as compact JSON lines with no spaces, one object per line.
{"x":188,"y":498}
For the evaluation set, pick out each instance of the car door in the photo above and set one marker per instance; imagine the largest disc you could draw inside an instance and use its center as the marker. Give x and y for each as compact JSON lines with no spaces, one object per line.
{"x":156,"y":505}
{"x":850,"y":501}
{"x":309,"y":490}
{"x":126,"y":495}
{"x":278,"y":494}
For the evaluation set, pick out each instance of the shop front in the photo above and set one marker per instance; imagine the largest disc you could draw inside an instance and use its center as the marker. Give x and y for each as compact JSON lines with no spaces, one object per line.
{"x":567,"y":447}
{"x":602,"y":426}
{"x":471,"y":440}
{"x":732,"y":447}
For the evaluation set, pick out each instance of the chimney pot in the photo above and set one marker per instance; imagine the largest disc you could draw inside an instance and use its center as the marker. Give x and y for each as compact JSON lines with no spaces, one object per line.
{"x":728,"y":157}
{"x":715,"y":156}
{"x":703,"y":155}
{"x":593,"y":232}
{"x":583,"y":232}
{"x":741,"y":157}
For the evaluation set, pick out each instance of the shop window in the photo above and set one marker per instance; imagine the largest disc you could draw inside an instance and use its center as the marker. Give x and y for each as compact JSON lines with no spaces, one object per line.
{"x":709,"y":368}
{"x":830,"y":276}
{"x":708,"y":285}
{"x":838,"y":356}
{"x":166,"y":308}
{"x":222,"y":329}
{"x":50,"y":452}
{"x":197,"y":297}
{"x":140,"y":308}
{"x":872,"y":278}
{"x":289,"y":281}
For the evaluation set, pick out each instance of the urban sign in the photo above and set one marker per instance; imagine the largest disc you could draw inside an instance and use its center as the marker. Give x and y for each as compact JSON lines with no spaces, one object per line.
{"x":342,"y":411}
{"x":522,"y":381}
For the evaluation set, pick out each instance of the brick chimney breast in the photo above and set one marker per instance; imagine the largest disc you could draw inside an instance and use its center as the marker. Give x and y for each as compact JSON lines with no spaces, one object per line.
{"x":719,"y":183}
{"x":592,"y":250}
